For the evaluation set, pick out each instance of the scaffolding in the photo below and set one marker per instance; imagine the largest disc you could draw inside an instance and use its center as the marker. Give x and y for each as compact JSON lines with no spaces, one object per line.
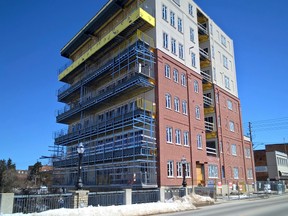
{"x":111,"y":110}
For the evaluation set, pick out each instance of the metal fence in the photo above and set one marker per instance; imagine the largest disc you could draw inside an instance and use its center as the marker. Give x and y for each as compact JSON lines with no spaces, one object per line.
{"x":205,"y":191}
{"x":39,"y":203}
{"x":106,"y":198}
{"x":145,"y":196}
{"x":169,"y":193}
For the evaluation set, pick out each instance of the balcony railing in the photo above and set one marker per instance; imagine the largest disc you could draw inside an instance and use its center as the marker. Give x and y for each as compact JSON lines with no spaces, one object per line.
{"x":207,"y":101}
{"x":204,"y":53}
{"x":209,"y":126}
{"x":206,"y":76}
{"x":202,"y":29}
{"x":212,"y":151}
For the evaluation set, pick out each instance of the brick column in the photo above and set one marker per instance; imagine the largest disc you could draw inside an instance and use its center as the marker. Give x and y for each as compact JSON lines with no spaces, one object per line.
{"x":80,"y":199}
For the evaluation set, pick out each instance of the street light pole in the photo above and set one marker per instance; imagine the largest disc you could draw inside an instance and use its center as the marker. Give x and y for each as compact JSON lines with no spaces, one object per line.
{"x":183,"y":160}
{"x":80,"y":150}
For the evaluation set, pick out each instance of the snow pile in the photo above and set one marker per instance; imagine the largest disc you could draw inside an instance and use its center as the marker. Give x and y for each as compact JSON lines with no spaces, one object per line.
{"x":175,"y":204}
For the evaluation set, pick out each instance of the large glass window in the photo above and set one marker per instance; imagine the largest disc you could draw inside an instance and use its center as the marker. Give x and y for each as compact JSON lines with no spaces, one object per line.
{"x":193,"y":59}
{"x":181,"y":51}
{"x":170,"y":172}
{"x":164,"y":12}
{"x":176,"y":104}
{"x":235,"y":173}
{"x":186,"y":138}
{"x":231,"y":126}
{"x":190,"y":9}
{"x":165,"y":40}
{"x":196,"y":86}
{"x":197,"y":112}
{"x":168,"y":101}
{"x":233,"y":149}
{"x":178,"y":136}
{"x":167,"y":71}
{"x":169,"y":134}
{"x":192,"y":35}
{"x":173,"y":45}
{"x":180,"y":25}
{"x":179,"y":169}
{"x":184,"y":107}
{"x":172,"y":18}
{"x":183,"y":79}
{"x":176,"y":75}
{"x":212,"y":171}
{"x":199,"y":141}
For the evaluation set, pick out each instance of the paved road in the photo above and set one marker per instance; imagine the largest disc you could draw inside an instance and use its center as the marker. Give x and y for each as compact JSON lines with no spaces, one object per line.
{"x":273,"y":206}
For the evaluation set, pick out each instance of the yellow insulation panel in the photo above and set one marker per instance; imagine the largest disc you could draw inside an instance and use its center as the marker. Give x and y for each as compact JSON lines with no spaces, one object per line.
{"x":139,"y":13}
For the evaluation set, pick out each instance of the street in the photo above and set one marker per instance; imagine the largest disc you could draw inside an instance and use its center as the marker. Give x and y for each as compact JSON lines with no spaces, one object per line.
{"x":273,"y":206}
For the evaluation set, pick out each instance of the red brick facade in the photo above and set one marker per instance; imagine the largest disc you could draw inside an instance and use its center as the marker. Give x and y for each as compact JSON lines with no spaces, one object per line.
{"x":169,"y":118}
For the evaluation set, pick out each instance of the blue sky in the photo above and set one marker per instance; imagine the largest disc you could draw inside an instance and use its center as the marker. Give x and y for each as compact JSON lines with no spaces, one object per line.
{"x":33,"y":33}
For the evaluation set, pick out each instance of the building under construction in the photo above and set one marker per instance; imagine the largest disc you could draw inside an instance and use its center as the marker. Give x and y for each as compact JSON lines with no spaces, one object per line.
{"x":143,"y":91}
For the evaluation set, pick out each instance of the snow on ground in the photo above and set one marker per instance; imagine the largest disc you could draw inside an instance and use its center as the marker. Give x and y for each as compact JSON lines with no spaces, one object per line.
{"x":175,"y":204}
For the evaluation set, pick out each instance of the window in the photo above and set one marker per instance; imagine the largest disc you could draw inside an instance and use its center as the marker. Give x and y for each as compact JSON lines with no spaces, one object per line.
{"x":178,"y":136}
{"x":223,"y":172}
{"x":227,"y":82}
{"x":197,"y":112}
{"x":211,"y":29}
{"x":214,"y":73}
{"x":184,"y":107}
{"x":170,"y":169}
{"x":165,"y":40}
{"x":229,"y":105}
{"x":164,"y":12}
{"x":212,"y":51}
{"x":167,"y":71}
{"x":196,"y":86}
{"x":168,"y":101}
{"x":235,"y":173}
{"x":183,"y":79}
{"x":172,"y":18}
{"x":188,"y":173}
{"x":175,"y":76}
{"x":179,"y":169}
{"x":249,"y":174}
{"x":247,"y":153}
{"x":199,"y":141}
{"x":169,"y":134}
{"x":180,"y":25}
{"x":186,"y":138}
{"x":176,"y":104}
{"x":225,"y":61}
{"x":223,"y":40}
{"x":234,"y":149}
{"x":212,"y":171}
{"x":231,"y":126}
{"x":181,"y":51}
{"x":193,"y":59}
{"x":192,"y":35}
{"x":190,"y":9}
{"x":173,"y":45}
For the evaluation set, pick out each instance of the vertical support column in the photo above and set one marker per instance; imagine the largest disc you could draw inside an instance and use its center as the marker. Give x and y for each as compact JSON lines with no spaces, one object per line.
{"x":6,"y":203}
{"x":128,"y":197}
{"x":80,"y":199}
{"x":162,"y":194}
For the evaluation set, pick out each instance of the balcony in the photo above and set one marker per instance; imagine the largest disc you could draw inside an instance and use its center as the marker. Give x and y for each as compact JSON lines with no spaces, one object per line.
{"x":132,"y":84}
{"x":209,"y":126}
{"x":203,"y":34}
{"x":206,"y":76}
{"x":211,"y":148}
{"x":208,"y":102}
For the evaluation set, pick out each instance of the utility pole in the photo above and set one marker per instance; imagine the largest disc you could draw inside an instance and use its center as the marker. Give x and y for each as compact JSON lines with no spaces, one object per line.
{"x":250,"y":133}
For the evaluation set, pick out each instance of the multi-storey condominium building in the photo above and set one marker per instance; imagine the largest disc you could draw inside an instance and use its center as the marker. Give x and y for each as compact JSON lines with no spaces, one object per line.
{"x":150,"y":83}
